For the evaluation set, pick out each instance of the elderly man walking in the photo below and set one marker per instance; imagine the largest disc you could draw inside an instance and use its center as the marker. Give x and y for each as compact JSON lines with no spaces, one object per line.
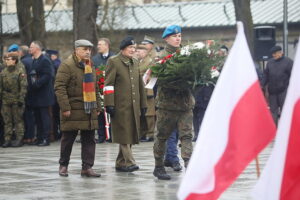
{"x":125,"y":101}
{"x":78,"y":98}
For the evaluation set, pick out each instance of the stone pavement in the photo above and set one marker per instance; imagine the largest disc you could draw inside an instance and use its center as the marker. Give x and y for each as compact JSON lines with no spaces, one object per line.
{"x":31,"y":172}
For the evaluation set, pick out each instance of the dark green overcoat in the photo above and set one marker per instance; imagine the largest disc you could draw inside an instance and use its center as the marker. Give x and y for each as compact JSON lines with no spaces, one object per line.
{"x":68,"y":90}
{"x":124,"y":89}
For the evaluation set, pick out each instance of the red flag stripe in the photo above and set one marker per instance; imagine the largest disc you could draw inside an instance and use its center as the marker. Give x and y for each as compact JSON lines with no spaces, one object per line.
{"x":248,"y":122}
{"x":290,"y":186}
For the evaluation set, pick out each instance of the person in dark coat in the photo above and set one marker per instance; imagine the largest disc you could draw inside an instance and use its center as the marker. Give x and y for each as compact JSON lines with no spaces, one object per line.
{"x":41,"y":77}
{"x":125,"y":101}
{"x":54,"y":57}
{"x":29,"y":120}
{"x":277,"y":75}
{"x":100,"y":59}
{"x":78,"y":98}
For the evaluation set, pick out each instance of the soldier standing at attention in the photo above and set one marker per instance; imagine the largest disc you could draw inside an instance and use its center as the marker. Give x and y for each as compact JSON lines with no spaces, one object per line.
{"x":13,"y":86}
{"x":125,"y":101}
{"x":174,"y":111}
{"x":148,"y":121}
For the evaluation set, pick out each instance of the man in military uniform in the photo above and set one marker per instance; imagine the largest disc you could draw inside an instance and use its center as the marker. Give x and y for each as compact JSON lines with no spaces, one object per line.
{"x":148,"y":121}
{"x":13,"y":85}
{"x":174,"y":112}
{"x":125,"y":101}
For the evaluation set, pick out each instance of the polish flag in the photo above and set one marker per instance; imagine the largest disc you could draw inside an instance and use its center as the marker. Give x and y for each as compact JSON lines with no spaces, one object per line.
{"x":237,"y":125}
{"x":281,"y":176}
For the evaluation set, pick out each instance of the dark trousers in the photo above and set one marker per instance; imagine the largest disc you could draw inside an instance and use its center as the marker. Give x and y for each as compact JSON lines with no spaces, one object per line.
{"x":88,"y":146}
{"x":101,"y":130}
{"x":276,"y":102}
{"x":29,"y":122}
{"x":43,"y":123}
{"x":198,"y":114}
{"x":56,"y":121}
{"x":171,"y":149}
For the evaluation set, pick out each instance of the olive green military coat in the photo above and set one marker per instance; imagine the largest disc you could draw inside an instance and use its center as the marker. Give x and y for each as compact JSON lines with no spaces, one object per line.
{"x":68,"y":90}
{"x":127,"y":95}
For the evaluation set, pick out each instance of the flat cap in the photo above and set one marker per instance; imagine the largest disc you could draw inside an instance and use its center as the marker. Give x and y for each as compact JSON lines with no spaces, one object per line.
{"x":171,"y":30}
{"x":148,"y":40}
{"x":275,"y":49}
{"x":13,"y":47}
{"x":128,"y":40}
{"x":83,"y":43}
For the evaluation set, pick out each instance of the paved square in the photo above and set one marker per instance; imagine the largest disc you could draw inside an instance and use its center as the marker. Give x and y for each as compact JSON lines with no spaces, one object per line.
{"x":31,"y":172}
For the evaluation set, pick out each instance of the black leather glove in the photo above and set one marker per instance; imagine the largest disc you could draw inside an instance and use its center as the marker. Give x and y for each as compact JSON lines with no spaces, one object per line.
{"x":110,"y":110}
{"x":20,"y":104}
{"x":143,"y":112}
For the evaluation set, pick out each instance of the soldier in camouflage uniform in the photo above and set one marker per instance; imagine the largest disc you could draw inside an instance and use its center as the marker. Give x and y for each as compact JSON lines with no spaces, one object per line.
{"x":13,"y":84}
{"x":174,"y":111}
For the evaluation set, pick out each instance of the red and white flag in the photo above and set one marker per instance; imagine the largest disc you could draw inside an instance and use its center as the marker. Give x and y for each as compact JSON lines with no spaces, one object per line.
{"x":237,"y":125}
{"x":281,"y":176}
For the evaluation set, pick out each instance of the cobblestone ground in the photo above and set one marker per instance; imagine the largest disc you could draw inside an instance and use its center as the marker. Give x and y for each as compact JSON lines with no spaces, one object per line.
{"x":31,"y":172}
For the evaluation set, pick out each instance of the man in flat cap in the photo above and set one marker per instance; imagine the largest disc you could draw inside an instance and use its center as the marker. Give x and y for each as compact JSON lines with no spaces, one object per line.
{"x":125,"y":101}
{"x":277,"y":76}
{"x":174,"y":112}
{"x":79,"y":101}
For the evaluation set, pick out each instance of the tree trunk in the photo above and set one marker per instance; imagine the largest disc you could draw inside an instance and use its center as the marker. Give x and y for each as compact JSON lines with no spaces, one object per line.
{"x":84,"y":20}
{"x":243,"y":14}
{"x":31,"y":21}
{"x":38,"y":25}
{"x":24,"y":18}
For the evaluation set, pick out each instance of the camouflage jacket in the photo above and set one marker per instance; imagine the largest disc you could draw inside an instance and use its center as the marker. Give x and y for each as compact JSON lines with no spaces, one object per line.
{"x":13,"y":85}
{"x":171,"y":99}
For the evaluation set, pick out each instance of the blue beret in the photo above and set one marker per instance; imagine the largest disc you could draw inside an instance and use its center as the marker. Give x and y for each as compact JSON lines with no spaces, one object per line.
{"x":275,"y":49}
{"x":171,"y":30}
{"x":13,"y":47}
{"x":129,"y":40}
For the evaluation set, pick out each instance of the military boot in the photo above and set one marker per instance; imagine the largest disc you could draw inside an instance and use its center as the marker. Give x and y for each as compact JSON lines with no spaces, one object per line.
{"x":17,"y":143}
{"x":161,"y":173}
{"x":7,"y":143}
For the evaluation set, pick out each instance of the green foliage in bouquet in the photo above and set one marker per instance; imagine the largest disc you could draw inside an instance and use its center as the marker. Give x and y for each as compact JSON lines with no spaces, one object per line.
{"x":188,"y":69}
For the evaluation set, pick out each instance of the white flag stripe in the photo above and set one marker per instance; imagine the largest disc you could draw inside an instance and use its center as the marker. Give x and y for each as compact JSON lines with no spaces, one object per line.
{"x":269,"y":185}
{"x":236,"y":71}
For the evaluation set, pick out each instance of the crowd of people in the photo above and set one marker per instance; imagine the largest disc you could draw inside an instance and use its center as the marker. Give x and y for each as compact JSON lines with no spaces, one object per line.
{"x":43,"y":99}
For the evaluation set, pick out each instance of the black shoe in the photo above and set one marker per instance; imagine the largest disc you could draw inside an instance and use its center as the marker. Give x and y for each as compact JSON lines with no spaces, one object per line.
{"x":146,"y":139}
{"x":44,"y":143}
{"x":133,"y":168}
{"x":7,"y":143}
{"x":124,"y":169}
{"x":161,"y":173}
{"x":100,"y":140}
{"x":17,"y":143}
{"x":175,"y":165}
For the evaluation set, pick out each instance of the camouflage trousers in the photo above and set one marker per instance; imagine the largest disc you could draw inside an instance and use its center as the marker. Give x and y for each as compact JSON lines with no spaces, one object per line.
{"x":13,"y":120}
{"x":168,"y":121}
{"x":148,"y":126}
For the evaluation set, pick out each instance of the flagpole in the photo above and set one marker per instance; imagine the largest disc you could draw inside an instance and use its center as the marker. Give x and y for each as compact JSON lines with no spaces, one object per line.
{"x":257,"y":167}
